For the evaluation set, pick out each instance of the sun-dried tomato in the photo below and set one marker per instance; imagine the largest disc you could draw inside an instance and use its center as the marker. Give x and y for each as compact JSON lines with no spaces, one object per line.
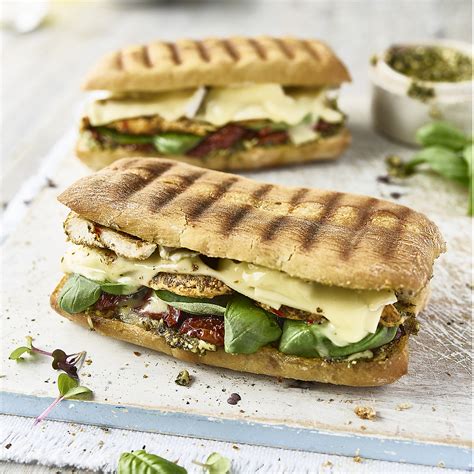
{"x":207,"y":328}
{"x":174,"y":317}
{"x":223,"y":138}
{"x":268,"y":137}
{"x":108,"y":301}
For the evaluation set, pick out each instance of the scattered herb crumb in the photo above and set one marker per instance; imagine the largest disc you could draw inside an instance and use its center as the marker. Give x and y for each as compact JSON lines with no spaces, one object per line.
{"x":404,"y":406}
{"x":183,"y":378}
{"x":365,"y":413}
{"x":145,"y":376}
{"x":327,"y":463}
{"x":357,"y":459}
{"x":138,"y":354}
{"x":396,"y":195}
{"x":88,"y":361}
{"x":234,"y":399}
{"x":8,"y":446}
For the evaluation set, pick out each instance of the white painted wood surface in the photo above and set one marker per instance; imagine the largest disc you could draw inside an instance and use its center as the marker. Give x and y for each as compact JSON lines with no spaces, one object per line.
{"x":439,"y":383}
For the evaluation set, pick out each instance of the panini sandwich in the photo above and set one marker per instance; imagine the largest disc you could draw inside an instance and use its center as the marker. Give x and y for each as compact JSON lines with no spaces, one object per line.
{"x":215,"y":268}
{"x":236,"y":103}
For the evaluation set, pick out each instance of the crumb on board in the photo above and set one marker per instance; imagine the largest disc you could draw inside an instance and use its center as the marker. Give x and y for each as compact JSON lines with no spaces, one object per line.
{"x":327,"y":463}
{"x":138,"y":354}
{"x":441,"y":464}
{"x":357,"y":459}
{"x":88,"y":361}
{"x":365,"y":413}
{"x":404,"y":406}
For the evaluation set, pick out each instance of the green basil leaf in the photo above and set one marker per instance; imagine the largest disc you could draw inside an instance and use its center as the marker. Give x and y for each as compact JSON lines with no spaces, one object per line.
{"x":18,"y":352}
{"x":307,"y":340}
{"x":260,"y":124}
{"x":124,"y":138}
{"x":445,"y":162}
{"x":467,"y":155}
{"x":78,"y":293}
{"x":170,"y":143}
{"x":117,"y":288}
{"x":141,"y":462}
{"x":248,"y":327}
{"x":442,"y":134}
{"x":217,"y":464}
{"x":215,"y":306}
{"x":66,"y":383}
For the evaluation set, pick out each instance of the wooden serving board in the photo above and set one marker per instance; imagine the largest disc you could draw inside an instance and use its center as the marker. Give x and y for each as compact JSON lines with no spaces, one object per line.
{"x":134,"y":388}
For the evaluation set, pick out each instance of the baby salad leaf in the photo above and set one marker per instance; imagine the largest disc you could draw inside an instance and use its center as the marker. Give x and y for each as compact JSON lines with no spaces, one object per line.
{"x":441,"y":160}
{"x":171,"y":143}
{"x":18,"y":352}
{"x":124,"y":138}
{"x":248,"y":327}
{"x":217,"y":464}
{"x":78,"y":294}
{"x":306,"y":340}
{"x":442,"y":134}
{"x":215,"y":306}
{"x":141,"y":462}
{"x":68,"y":388}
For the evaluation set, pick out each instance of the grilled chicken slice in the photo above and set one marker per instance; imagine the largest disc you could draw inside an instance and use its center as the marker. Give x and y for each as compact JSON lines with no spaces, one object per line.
{"x":84,"y":232}
{"x":194,"y":286}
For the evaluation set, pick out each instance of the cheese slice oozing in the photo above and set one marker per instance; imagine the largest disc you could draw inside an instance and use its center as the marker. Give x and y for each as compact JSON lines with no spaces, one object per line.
{"x":352,"y":314}
{"x":221,"y":105}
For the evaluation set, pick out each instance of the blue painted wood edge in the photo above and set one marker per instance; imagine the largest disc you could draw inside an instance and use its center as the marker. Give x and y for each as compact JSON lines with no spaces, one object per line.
{"x":280,"y":436}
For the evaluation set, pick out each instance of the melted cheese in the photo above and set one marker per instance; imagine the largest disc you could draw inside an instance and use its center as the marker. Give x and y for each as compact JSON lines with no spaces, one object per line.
{"x":221,"y":105}
{"x":168,"y":105}
{"x":352,"y":314}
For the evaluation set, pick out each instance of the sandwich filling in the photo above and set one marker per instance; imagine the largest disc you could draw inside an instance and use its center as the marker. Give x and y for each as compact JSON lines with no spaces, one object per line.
{"x":199,"y":303}
{"x":207,"y":121}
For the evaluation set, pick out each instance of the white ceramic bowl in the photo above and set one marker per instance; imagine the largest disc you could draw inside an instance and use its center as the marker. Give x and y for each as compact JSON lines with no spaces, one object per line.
{"x":398,"y":116}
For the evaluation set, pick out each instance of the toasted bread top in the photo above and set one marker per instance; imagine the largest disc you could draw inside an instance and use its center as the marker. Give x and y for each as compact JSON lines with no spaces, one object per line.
{"x":329,"y":237}
{"x":185,"y":64}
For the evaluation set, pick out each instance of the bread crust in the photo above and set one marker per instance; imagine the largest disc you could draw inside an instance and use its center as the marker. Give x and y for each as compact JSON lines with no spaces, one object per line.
{"x":184,"y":64}
{"x":328,"y":237}
{"x":267,"y":361}
{"x":255,"y":158}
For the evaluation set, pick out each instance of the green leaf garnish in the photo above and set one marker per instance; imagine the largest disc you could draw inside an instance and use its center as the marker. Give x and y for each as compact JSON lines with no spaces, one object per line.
{"x":217,"y":464}
{"x":170,"y":143}
{"x":78,"y":293}
{"x":19,"y":351}
{"x":69,"y":388}
{"x":441,"y":134}
{"x":141,"y":462}
{"x":114,"y":288}
{"x":248,"y":327}
{"x":467,"y":155}
{"x":215,"y":306}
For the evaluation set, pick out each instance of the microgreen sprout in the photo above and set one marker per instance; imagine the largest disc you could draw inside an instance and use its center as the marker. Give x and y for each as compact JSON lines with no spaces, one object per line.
{"x":215,"y":464}
{"x":61,"y":361}
{"x":68,"y":388}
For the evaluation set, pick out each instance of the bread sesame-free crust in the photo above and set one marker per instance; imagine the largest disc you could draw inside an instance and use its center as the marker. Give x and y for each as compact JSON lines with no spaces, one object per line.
{"x":267,"y":361}
{"x":255,"y":158}
{"x":162,"y":65}
{"x":324,"y":236}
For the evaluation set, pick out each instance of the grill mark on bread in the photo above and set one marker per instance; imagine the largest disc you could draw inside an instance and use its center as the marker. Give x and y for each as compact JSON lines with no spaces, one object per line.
{"x":259,"y":49}
{"x":202,"y":50}
{"x":231,"y":50}
{"x":360,"y":228}
{"x":136,"y":182}
{"x":158,"y":201}
{"x":241,"y":211}
{"x":280,"y":222}
{"x":310,"y":50}
{"x":147,"y":61}
{"x":174,"y":52}
{"x":198,"y":207}
{"x":394,"y":236}
{"x":284,"y":48}
{"x":312,"y":228}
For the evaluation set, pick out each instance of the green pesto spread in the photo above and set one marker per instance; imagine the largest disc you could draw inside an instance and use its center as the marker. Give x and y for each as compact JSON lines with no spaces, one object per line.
{"x":430,"y":63}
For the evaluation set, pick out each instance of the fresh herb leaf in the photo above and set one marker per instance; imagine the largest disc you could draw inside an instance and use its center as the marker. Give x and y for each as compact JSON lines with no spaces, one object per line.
{"x":443,"y":161}
{"x":117,"y":288}
{"x":141,"y":462}
{"x":215,"y":306}
{"x":68,"y":388}
{"x":307,"y":340}
{"x":124,"y":138}
{"x":78,"y":294}
{"x":248,"y":327}
{"x":442,"y":134}
{"x":170,"y":143}
{"x":217,"y":464}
